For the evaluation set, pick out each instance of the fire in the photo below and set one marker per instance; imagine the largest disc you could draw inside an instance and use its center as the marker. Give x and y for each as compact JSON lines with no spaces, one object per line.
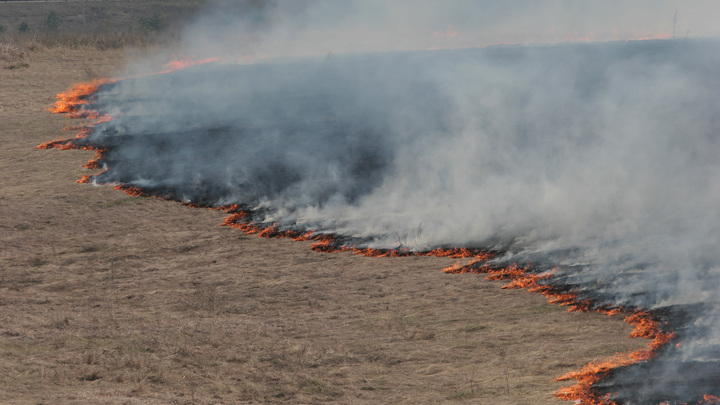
{"x":710,"y":399}
{"x":86,"y":178}
{"x":328,"y":243}
{"x":646,"y":326}
{"x":240,"y":219}
{"x":73,"y":99}
{"x":185,"y":62}
{"x":131,"y":190}
{"x":72,"y":102}
{"x":63,"y":144}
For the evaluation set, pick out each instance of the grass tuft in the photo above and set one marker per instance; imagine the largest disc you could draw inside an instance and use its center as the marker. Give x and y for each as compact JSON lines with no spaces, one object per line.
{"x":12,"y":52}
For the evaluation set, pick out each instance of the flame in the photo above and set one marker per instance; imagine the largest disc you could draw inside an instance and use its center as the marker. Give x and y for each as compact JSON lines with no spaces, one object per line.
{"x":182,"y":62}
{"x":73,"y":99}
{"x":327,"y":243}
{"x":131,"y":190}
{"x":74,"y":102}
{"x":646,"y":326}
{"x":240,"y":219}
{"x":710,"y":399}
{"x":86,"y":178}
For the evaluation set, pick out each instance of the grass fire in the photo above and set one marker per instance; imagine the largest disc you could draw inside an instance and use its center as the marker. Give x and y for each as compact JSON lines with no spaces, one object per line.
{"x":564,"y":169}
{"x":390,"y":176}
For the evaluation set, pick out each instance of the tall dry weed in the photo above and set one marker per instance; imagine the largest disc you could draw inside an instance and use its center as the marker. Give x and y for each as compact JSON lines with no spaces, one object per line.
{"x":14,"y":48}
{"x":100,"y":40}
{"x":10,"y":52}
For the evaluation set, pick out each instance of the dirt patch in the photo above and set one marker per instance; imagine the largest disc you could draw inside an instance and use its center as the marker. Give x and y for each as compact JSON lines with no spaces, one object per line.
{"x":110,"y":299}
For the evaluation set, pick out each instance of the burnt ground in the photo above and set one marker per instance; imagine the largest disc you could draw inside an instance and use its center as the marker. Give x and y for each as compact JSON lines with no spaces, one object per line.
{"x":108,"y":299}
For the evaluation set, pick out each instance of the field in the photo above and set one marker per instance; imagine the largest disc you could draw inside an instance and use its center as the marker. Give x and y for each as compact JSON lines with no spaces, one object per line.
{"x":99,"y":15}
{"x":109,"y":299}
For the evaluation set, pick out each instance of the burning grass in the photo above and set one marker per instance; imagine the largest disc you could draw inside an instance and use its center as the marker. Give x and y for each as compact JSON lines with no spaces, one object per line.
{"x":73,"y":99}
{"x":646,"y":325}
{"x":74,"y":102}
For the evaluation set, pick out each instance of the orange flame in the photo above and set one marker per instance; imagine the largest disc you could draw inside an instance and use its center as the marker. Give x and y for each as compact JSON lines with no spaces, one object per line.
{"x":132,"y":190}
{"x":328,"y":243}
{"x":185,"y":62}
{"x":84,"y":179}
{"x":710,"y":399}
{"x":71,"y":100}
{"x":94,"y":162}
{"x":646,"y":325}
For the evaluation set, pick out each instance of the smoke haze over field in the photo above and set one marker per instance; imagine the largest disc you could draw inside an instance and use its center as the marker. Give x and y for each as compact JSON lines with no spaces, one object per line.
{"x":254,"y":29}
{"x":598,"y":159}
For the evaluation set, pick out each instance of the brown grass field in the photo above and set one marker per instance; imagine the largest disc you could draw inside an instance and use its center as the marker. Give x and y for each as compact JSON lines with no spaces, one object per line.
{"x":109,"y":299}
{"x":100,"y":15}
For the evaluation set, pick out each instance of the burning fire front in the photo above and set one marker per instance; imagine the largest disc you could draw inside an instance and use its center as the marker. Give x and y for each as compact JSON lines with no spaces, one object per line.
{"x":584,"y":172}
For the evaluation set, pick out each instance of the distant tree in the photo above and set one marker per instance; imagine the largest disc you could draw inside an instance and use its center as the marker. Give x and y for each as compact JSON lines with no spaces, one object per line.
{"x":153,"y":23}
{"x":23,"y":27}
{"x":52,"y":22}
{"x":2,"y":28}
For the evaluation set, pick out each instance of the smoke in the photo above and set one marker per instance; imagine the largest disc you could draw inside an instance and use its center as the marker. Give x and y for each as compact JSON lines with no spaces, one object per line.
{"x":257,"y":29}
{"x":597,"y":159}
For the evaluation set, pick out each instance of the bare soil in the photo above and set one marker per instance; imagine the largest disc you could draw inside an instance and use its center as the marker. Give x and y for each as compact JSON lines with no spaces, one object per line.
{"x":109,"y":299}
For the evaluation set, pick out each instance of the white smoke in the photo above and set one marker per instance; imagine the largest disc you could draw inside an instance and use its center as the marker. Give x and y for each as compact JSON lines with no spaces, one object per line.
{"x":598,"y":158}
{"x":255,"y":29}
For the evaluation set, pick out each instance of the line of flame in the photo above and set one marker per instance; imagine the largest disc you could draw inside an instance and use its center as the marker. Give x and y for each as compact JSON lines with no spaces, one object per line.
{"x":646,"y":325}
{"x":74,"y":100}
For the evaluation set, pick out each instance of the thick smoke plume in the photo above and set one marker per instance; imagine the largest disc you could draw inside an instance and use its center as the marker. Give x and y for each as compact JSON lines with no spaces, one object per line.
{"x":599,"y":160}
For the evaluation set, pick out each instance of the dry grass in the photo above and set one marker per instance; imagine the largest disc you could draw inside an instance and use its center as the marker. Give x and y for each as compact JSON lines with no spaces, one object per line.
{"x":106,"y":299}
{"x":107,"y":25}
{"x":99,"y":40}
{"x":105,"y":15}
{"x":11,"y":52}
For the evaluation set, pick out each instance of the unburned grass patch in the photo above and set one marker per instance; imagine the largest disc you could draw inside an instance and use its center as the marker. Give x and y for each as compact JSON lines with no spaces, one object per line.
{"x":128,"y":200}
{"x":319,"y":388}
